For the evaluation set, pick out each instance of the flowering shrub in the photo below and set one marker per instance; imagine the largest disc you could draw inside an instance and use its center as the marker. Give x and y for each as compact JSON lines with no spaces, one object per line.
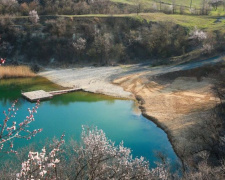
{"x":2,"y":61}
{"x":97,"y":157}
{"x":197,"y":34}
{"x":33,"y":16}
{"x":207,"y":48}
{"x":41,"y":165}
{"x":80,"y":44}
{"x":10,"y":131}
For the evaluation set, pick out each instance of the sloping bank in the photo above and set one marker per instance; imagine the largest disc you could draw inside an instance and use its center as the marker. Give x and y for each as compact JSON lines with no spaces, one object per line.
{"x":174,"y":104}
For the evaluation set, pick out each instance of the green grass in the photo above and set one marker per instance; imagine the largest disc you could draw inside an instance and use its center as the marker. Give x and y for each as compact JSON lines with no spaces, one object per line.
{"x":218,"y":12}
{"x":130,"y":2}
{"x":206,"y":23}
{"x":195,"y":3}
{"x":151,"y":4}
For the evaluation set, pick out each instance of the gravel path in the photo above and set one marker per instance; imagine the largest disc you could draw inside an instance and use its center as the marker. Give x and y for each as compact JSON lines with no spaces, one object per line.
{"x":90,"y":79}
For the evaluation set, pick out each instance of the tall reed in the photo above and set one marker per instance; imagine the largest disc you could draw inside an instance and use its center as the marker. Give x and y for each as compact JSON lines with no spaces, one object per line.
{"x":15,"y":72}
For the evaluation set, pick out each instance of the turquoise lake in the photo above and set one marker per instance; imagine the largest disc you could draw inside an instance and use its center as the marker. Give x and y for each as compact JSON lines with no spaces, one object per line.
{"x":118,"y":118}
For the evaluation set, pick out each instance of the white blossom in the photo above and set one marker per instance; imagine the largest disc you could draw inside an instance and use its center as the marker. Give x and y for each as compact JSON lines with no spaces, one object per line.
{"x":197,"y":34}
{"x":33,"y":16}
{"x":80,"y":44}
{"x":40,"y":164}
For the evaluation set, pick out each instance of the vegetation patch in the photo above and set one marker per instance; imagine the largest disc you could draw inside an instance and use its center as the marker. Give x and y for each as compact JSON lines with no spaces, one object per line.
{"x":15,"y":72}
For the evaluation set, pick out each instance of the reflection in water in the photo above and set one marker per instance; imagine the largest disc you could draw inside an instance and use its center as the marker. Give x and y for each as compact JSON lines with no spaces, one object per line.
{"x":136,"y":109}
{"x":80,"y":97}
{"x":68,"y":112}
{"x":10,"y":89}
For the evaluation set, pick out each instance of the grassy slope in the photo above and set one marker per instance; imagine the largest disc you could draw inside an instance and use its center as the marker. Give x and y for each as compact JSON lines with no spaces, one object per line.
{"x":195,"y":3}
{"x":146,"y":4}
{"x":206,"y":23}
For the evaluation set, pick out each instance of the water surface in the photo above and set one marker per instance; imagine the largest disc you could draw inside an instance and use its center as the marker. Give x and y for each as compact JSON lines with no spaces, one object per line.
{"x":66,"y":113}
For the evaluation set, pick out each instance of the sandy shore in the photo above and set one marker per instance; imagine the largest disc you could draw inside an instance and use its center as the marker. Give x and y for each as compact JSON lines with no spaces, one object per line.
{"x":175,"y":106}
{"x":92,"y":79}
{"x":99,"y":79}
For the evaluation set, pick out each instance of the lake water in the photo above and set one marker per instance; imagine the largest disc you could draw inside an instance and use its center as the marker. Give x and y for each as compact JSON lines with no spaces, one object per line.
{"x":119,"y":119}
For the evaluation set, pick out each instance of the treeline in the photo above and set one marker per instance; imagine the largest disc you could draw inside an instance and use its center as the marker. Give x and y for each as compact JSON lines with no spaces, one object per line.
{"x":100,"y":40}
{"x":69,"y":7}
{"x":78,"y":7}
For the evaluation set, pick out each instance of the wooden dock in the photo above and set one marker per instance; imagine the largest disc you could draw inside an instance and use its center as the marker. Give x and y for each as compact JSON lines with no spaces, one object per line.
{"x":41,"y":94}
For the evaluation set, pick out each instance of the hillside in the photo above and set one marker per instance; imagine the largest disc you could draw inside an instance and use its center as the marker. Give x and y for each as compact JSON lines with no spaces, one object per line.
{"x":206,"y":23}
{"x":166,"y":55}
{"x":102,"y":39}
{"x":209,"y":7}
{"x":110,"y":32}
{"x":195,"y":3}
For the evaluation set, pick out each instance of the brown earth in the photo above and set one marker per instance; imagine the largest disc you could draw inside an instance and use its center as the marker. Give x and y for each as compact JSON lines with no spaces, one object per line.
{"x":177,"y":97}
{"x":176,"y":106}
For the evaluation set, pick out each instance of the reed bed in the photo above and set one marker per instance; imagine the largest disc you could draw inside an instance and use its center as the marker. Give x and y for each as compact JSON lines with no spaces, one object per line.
{"x":15,"y":72}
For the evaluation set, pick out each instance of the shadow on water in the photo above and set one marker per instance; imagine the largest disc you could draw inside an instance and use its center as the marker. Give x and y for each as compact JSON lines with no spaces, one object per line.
{"x":80,"y":97}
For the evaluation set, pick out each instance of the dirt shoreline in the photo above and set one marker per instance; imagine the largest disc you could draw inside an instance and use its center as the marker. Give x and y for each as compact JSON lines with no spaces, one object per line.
{"x":90,"y":79}
{"x":173,"y":105}
{"x":176,"y":106}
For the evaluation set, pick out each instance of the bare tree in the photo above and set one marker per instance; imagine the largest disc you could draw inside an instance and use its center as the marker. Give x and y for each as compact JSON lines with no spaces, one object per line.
{"x":191,"y":4}
{"x":138,"y":6}
{"x":174,"y":6}
{"x":216,"y":3}
{"x":160,"y":5}
{"x":101,"y":47}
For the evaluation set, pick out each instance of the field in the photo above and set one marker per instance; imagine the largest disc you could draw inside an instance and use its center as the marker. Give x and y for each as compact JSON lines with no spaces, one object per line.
{"x":181,"y":6}
{"x":195,"y":3}
{"x":206,"y":23}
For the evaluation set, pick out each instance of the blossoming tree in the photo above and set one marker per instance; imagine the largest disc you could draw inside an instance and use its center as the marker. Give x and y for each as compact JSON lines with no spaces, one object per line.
{"x":96,"y":157}
{"x":9,"y":130}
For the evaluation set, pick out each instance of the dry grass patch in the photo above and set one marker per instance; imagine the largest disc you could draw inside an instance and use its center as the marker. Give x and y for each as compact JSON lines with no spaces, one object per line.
{"x":15,"y":72}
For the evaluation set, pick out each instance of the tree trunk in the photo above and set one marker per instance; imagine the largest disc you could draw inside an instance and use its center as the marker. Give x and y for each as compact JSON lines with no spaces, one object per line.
{"x":160,"y":5}
{"x":191,"y":4}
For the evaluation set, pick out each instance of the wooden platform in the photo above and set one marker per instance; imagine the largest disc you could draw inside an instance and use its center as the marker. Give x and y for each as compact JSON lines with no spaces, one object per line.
{"x":41,"y":94}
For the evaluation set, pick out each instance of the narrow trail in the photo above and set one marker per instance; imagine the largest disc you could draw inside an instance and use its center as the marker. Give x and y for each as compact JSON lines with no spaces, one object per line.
{"x":145,"y":69}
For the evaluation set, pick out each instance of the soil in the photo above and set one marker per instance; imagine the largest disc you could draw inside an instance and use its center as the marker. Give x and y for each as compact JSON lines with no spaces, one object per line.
{"x":175,"y":106}
{"x":176,"y":98}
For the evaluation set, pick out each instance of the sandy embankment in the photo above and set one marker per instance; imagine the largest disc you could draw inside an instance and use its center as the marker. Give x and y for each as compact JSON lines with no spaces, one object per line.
{"x":90,"y":79}
{"x":176,"y":106}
